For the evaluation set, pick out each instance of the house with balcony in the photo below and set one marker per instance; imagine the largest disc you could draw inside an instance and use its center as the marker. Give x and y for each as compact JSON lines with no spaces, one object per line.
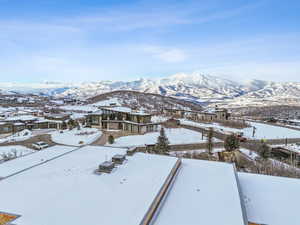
{"x":121,"y":118}
{"x":205,"y":115}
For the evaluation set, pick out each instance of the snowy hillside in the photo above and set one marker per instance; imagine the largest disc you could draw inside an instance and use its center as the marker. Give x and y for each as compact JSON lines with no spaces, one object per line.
{"x":142,"y":101}
{"x":193,"y":87}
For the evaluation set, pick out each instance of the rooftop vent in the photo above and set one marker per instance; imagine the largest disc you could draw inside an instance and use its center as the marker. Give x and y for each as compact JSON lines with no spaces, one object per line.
{"x":118,"y":159}
{"x":106,"y":167}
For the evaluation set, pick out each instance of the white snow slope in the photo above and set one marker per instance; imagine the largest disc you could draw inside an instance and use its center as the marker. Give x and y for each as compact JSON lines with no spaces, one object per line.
{"x":195,"y":87}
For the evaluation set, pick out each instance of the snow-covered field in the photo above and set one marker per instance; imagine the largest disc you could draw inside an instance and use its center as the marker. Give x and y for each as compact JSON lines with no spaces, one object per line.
{"x":251,"y":154}
{"x":19,"y":136}
{"x":263,"y":131}
{"x":108,"y":102}
{"x":175,"y":136}
{"x":271,"y":132}
{"x":76,"y":137}
{"x":14,"y":149}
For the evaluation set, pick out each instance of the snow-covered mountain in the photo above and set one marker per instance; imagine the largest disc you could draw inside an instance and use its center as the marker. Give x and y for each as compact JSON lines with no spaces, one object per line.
{"x":194,"y":87}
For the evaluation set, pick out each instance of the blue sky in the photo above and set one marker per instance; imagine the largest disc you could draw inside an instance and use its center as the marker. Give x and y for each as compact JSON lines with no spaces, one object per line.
{"x":77,"y":40}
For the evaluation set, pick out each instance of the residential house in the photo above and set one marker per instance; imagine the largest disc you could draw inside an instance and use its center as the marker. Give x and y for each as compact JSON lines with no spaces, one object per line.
{"x":205,"y":115}
{"x":121,"y":118}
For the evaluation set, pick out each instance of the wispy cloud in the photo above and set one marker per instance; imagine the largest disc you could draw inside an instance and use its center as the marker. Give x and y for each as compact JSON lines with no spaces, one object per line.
{"x":132,"y":40}
{"x":143,"y":16}
{"x":169,"y":55}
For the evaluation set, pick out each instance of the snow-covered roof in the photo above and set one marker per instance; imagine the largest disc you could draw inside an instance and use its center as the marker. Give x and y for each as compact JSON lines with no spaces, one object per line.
{"x":204,"y":192}
{"x":270,"y":200}
{"x":84,"y":108}
{"x":67,"y":191}
{"x":98,"y":112}
{"x":126,"y":110}
{"x":58,"y":115}
{"x":19,"y":164}
{"x":75,"y":116}
{"x":43,"y":120}
{"x":21,"y":118}
{"x":19,"y":124}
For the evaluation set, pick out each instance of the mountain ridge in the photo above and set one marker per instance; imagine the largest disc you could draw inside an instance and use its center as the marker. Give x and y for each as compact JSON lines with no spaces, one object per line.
{"x":195,"y":87}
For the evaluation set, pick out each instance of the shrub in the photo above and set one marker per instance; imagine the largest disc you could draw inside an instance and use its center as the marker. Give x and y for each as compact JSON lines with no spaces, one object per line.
{"x":111,"y":139}
{"x":231,"y":143}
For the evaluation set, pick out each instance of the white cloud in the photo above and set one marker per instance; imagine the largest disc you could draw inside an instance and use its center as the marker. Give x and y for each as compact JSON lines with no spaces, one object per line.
{"x":169,"y":55}
{"x":120,"y":43}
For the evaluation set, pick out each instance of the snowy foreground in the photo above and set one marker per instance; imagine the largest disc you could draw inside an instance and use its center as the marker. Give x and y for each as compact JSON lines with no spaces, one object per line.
{"x":175,"y":136}
{"x":76,"y":137}
{"x":59,"y":185}
{"x":67,"y":191}
{"x":263,"y":131}
{"x":270,"y":200}
{"x":14,"y":149}
{"x":203,"y":191}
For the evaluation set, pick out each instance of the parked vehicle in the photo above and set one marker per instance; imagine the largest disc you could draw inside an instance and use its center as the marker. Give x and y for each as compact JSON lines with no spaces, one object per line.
{"x":40,"y":145}
{"x":241,"y":137}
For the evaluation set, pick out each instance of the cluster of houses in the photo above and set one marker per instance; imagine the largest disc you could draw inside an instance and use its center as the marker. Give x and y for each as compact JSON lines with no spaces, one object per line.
{"x":287,"y":152}
{"x":17,"y":123}
{"x":215,"y":114}
{"x":111,"y":117}
{"x":19,"y":99}
{"x":292,"y":122}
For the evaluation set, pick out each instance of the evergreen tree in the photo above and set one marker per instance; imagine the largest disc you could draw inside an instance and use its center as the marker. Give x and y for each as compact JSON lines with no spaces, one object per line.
{"x":264,"y":152}
{"x":64,"y":125}
{"x":71,"y":124}
{"x":162,"y":145}
{"x":231,"y":143}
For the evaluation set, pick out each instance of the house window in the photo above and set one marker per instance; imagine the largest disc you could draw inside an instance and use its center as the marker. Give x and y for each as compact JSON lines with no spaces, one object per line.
{"x":6,"y":129}
{"x":95,"y":120}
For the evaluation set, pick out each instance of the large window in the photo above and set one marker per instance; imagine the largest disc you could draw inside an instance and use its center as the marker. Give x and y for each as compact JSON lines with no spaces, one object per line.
{"x":95,"y":120}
